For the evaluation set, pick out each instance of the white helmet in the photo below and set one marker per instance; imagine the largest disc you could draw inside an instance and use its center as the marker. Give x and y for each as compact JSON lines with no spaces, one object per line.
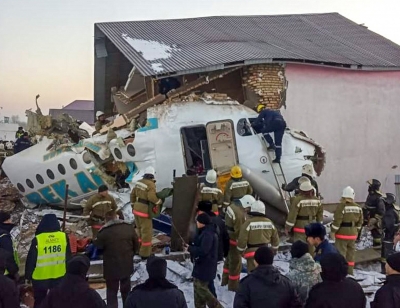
{"x":211,"y":176}
{"x":99,"y":113}
{"x":247,"y":201}
{"x":150,"y":170}
{"x":258,"y":206}
{"x":306,"y":186}
{"x":348,"y":192}
{"x":308,"y":169}
{"x":303,"y":179}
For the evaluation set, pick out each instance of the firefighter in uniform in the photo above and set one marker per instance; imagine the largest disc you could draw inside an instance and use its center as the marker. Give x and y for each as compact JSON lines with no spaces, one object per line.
{"x":210,"y":192}
{"x":373,"y":211}
{"x":97,"y":206}
{"x":347,"y":222}
{"x":391,"y":224}
{"x":304,"y":209}
{"x":101,"y":121}
{"x":257,"y":231}
{"x":234,"y":219}
{"x":308,"y":172}
{"x":236,"y":187}
{"x":144,"y":201}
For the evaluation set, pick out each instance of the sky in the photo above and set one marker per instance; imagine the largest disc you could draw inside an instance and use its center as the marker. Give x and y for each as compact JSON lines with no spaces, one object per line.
{"x":46,"y":46}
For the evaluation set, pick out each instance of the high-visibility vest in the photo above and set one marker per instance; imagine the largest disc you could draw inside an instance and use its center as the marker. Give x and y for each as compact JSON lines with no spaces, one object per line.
{"x":16,"y":258}
{"x":51,"y":253}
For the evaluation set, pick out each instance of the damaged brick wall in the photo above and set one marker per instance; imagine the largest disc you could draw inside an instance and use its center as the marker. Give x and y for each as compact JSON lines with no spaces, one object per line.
{"x":266,"y":84}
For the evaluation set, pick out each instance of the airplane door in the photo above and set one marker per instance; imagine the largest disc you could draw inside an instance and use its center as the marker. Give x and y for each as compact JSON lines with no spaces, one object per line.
{"x":205,"y":154}
{"x":222,"y":145}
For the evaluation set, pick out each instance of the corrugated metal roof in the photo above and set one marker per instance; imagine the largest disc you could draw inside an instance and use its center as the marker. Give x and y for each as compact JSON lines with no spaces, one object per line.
{"x":199,"y":44}
{"x":80,"y":105}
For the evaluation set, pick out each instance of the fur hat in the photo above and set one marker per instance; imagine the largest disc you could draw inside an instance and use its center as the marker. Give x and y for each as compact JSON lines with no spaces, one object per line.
{"x":204,"y":219}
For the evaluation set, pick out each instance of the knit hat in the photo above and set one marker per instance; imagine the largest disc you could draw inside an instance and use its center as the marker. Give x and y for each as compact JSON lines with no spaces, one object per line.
{"x":264,"y":256}
{"x":102,"y":188}
{"x":156,"y":267}
{"x":299,"y":249}
{"x":204,"y":219}
{"x":334,"y":267}
{"x":78,"y":265}
{"x":394,"y":261}
{"x":204,"y":206}
{"x":315,"y":229}
{"x":4,"y":216}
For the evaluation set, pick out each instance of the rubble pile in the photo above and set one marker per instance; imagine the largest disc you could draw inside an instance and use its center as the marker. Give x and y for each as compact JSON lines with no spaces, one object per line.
{"x":9,"y":195}
{"x":193,"y":97}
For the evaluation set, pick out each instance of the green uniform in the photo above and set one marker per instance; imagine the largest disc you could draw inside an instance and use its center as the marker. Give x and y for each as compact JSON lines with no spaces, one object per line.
{"x":144,"y":199}
{"x":347,"y":222}
{"x":303,"y":211}
{"x":203,"y":296}
{"x":51,"y":256}
{"x":97,"y":206}
{"x":212,"y":194}
{"x":236,"y":189}
{"x":234,"y":218}
{"x":257,"y":231}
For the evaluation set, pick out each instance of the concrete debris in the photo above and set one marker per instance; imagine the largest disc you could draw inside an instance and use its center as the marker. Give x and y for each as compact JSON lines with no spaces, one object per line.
{"x":9,"y":195}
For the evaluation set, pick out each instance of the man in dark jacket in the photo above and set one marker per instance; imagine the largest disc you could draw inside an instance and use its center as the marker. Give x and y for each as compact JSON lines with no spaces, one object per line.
{"x":22,"y":143}
{"x":315,"y":234}
{"x":119,"y":242}
{"x":388,"y":296}
{"x":265,"y":286}
{"x":156,"y":292}
{"x":8,"y":289}
{"x":294,"y":185}
{"x":6,"y":243}
{"x":335,"y":290}
{"x":73,"y":290}
{"x":390,"y":224}
{"x":204,"y":252}
{"x":47,"y":257}
{"x":222,"y":232}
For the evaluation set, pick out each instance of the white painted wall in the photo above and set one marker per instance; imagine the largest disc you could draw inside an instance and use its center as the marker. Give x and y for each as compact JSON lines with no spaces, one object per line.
{"x":7,"y":131}
{"x":356,"y":117}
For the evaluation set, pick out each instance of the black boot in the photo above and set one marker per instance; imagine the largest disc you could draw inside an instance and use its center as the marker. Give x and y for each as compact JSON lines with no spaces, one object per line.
{"x":278,"y":154}
{"x":271,"y":147}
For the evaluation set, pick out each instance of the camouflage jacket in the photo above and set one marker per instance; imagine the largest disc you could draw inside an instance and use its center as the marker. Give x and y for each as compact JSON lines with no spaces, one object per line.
{"x":304,"y":273}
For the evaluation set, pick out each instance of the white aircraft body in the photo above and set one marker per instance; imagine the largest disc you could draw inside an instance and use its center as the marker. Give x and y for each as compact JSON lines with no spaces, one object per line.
{"x":177,"y":136}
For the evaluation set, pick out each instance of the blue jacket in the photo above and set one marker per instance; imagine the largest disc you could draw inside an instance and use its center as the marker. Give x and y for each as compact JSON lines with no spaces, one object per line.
{"x":21,"y":144}
{"x":267,"y":116}
{"x":324,"y":248}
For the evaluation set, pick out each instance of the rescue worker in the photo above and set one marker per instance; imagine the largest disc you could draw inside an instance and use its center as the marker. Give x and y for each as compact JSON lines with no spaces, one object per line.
{"x":269,"y":121}
{"x":373,"y":211}
{"x":210,"y":192}
{"x":9,"y":293}
{"x":347,"y":222}
{"x":308,"y":172}
{"x":257,"y":231}
{"x":304,"y":209}
{"x":234,"y":219}
{"x":101,"y":121}
{"x":315,"y":234}
{"x":22,"y":143}
{"x":391,"y":224}
{"x":236,"y":187}
{"x":47,"y":257}
{"x":20,"y":132}
{"x":144,"y":200}
{"x":6,"y":243}
{"x":97,"y":206}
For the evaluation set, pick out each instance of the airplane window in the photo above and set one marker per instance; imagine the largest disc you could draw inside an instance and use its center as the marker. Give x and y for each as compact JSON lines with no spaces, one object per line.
{"x":39,"y":179}
{"x":117,"y":153}
{"x":61,"y":169}
{"x":131,"y":150}
{"x":243,"y":128}
{"x":29,"y":183}
{"x":50,"y":174}
{"x":20,"y":187}
{"x":86,"y":158}
{"x":73,"y":164}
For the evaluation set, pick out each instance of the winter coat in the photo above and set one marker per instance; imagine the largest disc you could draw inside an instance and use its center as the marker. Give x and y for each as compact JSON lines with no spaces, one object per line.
{"x":49,"y":223}
{"x":205,"y":253}
{"x":332,"y":294}
{"x":6,"y":243}
{"x":303,"y":211}
{"x":21,"y":144}
{"x":236,"y":189}
{"x":223,"y":236}
{"x":324,"y":248}
{"x":97,"y":206}
{"x":9,"y":297}
{"x":390,"y":222}
{"x":119,"y":242}
{"x":210,"y":192}
{"x":156,"y":293}
{"x":266,"y":287}
{"x":388,"y":296}
{"x":73,"y":291}
{"x":294,"y":185}
{"x":304,"y":273}
{"x":144,"y":198}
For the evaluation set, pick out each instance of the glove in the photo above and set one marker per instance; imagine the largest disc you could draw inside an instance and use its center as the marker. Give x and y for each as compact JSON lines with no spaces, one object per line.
{"x":283,"y":186}
{"x":155,"y":209}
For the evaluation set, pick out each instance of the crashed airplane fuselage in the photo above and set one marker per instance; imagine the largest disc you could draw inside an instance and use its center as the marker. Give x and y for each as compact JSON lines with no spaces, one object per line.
{"x":177,"y":138}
